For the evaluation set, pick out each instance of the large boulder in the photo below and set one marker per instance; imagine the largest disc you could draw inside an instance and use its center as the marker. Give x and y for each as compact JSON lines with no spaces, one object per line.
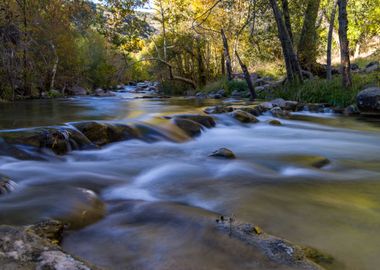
{"x":244,"y":117}
{"x":368,"y":100}
{"x":35,"y":248}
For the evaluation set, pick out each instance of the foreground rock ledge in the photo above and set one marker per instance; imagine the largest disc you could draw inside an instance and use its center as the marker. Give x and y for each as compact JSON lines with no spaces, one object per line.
{"x":35,"y":248}
{"x":276,"y":249}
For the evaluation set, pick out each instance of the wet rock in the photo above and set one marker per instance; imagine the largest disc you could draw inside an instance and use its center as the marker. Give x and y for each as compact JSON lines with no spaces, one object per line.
{"x":27,"y":248}
{"x":77,"y":91}
{"x":315,"y":107}
{"x":201,"y":95}
{"x":6,"y":185}
{"x":290,"y":105}
{"x":244,"y":117}
{"x":310,"y":161}
{"x":276,"y":249}
{"x":99,"y":92}
{"x":103,"y":133}
{"x":278,"y":112}
{"x":368,"y":100}
{"x":223,"y":153}
{"x":373,"y":66}
{"x":278,"y":102}
{"x":218,"y":109}
{"x":190,"y":127}
{"x":351,"y":110}
{"x":77,"y":207}
{"x":59,"y":139}
{"x":274,"y":122}
{"x":266,"y":106}
{"x":204,"y":120}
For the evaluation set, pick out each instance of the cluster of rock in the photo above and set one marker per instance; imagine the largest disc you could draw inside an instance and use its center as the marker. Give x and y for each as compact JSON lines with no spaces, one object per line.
{"x":147,"y":86}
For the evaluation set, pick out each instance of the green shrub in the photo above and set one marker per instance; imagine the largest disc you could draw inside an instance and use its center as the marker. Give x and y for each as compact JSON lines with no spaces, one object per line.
{"x":228,"y":86}
{"x":324,"y":91}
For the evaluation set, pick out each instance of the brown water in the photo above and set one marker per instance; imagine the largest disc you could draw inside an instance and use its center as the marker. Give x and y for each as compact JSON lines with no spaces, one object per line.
{"x":160,"y":197}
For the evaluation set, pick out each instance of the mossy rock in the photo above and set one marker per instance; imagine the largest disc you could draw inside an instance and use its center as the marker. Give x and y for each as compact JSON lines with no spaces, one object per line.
{"x":204,"y":120}
{"x":274,"y":122}
{"x":244,"y":117}
{"x":190,"y":127}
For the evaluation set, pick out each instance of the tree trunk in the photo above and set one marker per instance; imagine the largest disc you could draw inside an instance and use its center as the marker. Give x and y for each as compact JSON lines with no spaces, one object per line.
{"x":247,"y":77}
{"x":223,"y":64}
{"x":285,"y":10}
{"x":344,"y":46}
{"x":329,"y":41}
{"x":54,"y":70}
{"x":307,"y":47}
{"x":201,"y":67}
{"x":227,"y":56}
{"x":293,"y":69}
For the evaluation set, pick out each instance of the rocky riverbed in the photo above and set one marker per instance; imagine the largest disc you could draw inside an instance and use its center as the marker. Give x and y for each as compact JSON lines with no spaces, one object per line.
{"x":151,"y":178}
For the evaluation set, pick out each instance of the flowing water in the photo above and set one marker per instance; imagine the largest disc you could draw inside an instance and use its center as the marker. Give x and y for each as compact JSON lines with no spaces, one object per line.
{"x":159,"y":196}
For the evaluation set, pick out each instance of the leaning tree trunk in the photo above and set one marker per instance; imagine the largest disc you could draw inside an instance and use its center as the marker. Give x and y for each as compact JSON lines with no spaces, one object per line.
{"x":293,"y":68}
{"x":285,"y":11}
{"x":227,"y":57}
{"x":344,"y":46}
{"x":307,"y":47}
{"x":247,"y":77}
{"x":329,"y":41}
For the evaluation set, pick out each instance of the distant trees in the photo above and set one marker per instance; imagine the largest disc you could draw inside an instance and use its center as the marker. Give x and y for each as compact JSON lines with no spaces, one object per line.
{"x":56,"y":44}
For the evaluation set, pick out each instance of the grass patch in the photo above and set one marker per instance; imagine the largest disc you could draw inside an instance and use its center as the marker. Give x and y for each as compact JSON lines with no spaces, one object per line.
{"x":228,"y":86}
{"x":324,"y":91}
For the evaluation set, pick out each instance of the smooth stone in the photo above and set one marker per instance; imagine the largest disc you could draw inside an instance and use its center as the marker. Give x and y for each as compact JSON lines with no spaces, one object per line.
{"x":6,"y":185}
{"x":244,"y":117}
{"x":223,"y":153}
{"x":368,"y":100}
{"x":204,"y":120}
{"x":190,"y":127}
{"x":274,"y":122}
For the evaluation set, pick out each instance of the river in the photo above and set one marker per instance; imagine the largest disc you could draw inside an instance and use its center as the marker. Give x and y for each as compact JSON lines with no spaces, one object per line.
{"x":158,"y":194}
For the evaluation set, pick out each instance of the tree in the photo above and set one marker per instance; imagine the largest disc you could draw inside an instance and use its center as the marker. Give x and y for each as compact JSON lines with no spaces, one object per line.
{"x":344,"y":45}
{"x":293,"y":69}
{"x":227,"y":57}
{"x":307,"y":47}
{"x":329,"y":40}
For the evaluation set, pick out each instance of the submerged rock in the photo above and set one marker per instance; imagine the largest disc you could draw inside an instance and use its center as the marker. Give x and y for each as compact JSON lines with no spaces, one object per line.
{"x":190,"y":127}
{"x":368,"y":101}
{"x":77,"y":207}
{"x":223,"y":153}
{"x":244,"y":117}
{"x":6,"y":185}
{"x":35,"y":248}
{"x":274,"y":122}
